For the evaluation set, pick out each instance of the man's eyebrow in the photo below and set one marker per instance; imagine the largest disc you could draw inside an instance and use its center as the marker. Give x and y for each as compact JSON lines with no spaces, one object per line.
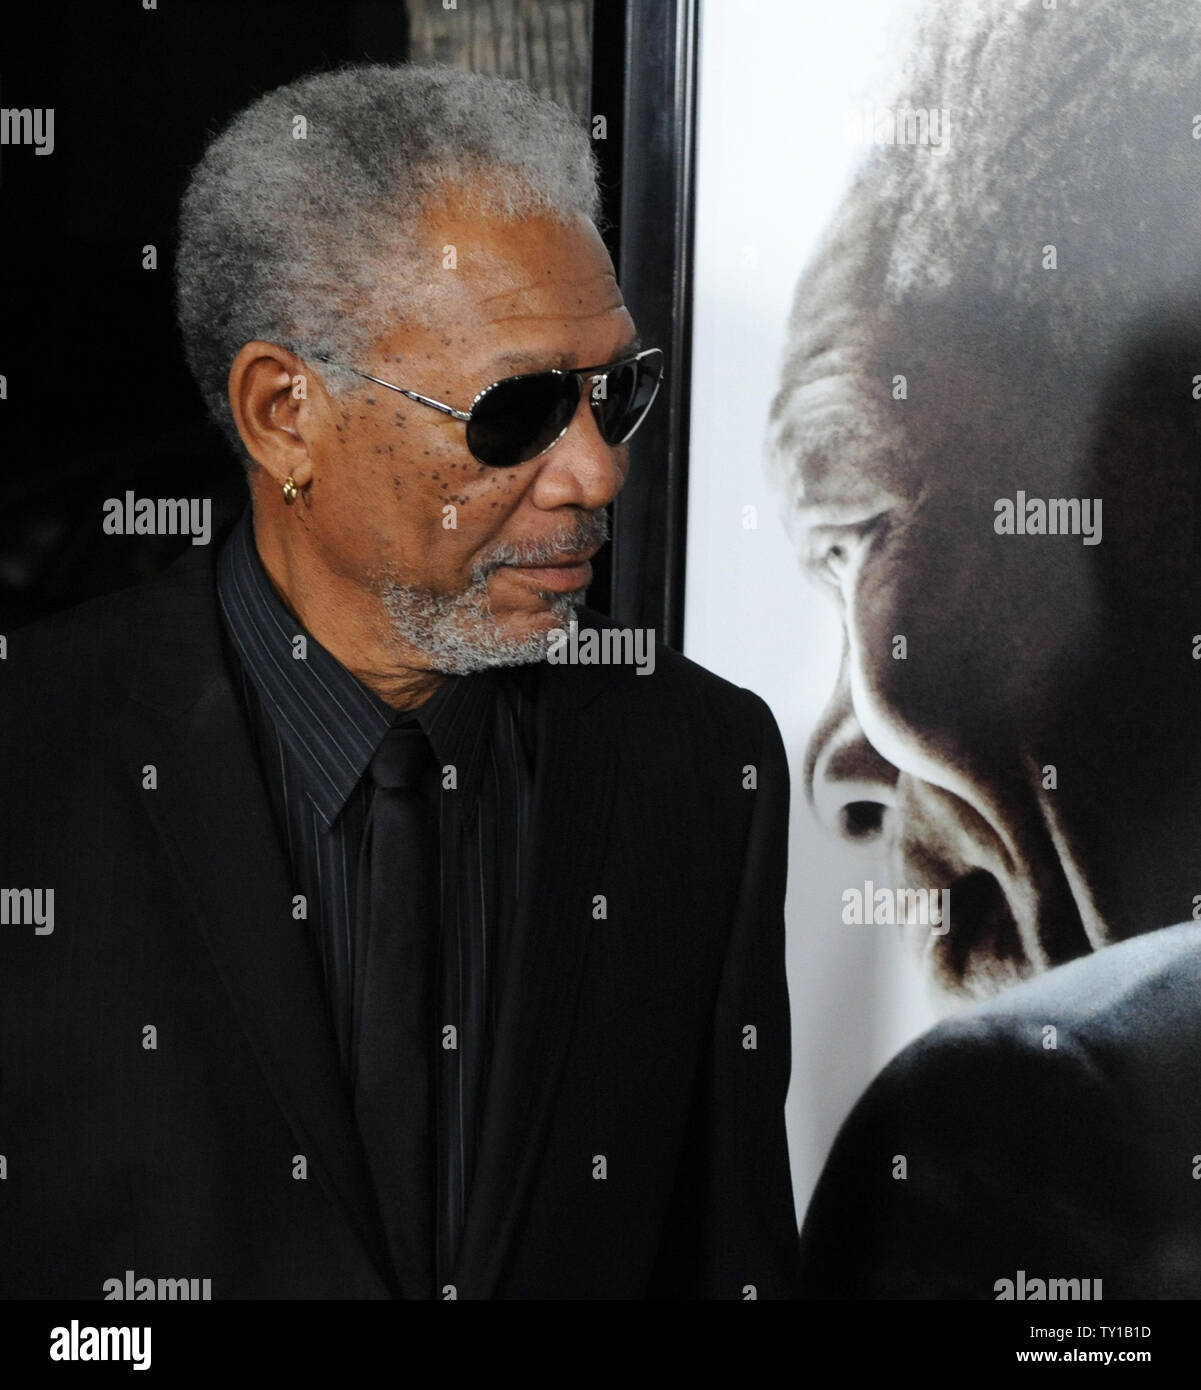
{"x":535,"y":362}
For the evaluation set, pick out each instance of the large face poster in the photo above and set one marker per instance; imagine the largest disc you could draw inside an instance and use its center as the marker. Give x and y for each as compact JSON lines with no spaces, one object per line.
{"x":944,"y":516}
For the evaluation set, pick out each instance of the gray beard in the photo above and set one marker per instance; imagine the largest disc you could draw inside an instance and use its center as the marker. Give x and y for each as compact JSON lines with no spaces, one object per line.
{"x":459,"y":633}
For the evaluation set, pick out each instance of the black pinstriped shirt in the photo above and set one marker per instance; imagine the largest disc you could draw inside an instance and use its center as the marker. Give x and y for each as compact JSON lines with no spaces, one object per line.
{"x":317,"y":727}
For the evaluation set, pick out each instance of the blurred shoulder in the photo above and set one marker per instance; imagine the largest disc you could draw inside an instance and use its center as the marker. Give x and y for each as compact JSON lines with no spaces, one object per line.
{"x":1124,"y":1018}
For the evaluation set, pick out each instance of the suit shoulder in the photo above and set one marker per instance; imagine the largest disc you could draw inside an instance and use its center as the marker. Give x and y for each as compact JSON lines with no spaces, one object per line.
{"x":1116,"y":1022}
{"x":68,"y":658}
{"x":1145,"y":985}
{"x":675,"y":681}
{"x":1043,"y":1130}
{"x":188,"y":574}
{"x":87,"y":653}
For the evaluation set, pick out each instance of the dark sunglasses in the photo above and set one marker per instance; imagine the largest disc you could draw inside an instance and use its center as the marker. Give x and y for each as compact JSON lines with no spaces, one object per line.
{"x":520,"y":417}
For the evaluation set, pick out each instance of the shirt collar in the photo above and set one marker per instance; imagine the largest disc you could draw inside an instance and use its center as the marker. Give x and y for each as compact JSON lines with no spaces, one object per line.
{"x":329,"y":721}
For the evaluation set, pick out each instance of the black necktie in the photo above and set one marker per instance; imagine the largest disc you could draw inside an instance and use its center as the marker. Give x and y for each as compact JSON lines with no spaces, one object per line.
{"x":396,"y":963}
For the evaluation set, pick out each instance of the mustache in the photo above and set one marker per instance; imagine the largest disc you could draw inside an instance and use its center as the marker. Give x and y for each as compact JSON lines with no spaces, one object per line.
{"x":589,"y":532}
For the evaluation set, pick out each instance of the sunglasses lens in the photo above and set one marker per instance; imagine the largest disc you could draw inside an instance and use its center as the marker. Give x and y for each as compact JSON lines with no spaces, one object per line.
{"x":519,"y":418}
{"x":630,"y":390}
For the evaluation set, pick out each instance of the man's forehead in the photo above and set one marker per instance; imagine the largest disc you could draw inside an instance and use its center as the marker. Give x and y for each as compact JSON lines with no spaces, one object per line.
{"x":595,"y":288}
{"x":904,"y":400}
{"x":530,"y":325}
{"x":523,"y":265}
{"x":529,"y":289}
{"x":833,"y":438}
{"x":545,"y":331}
{"x":537,"y":323}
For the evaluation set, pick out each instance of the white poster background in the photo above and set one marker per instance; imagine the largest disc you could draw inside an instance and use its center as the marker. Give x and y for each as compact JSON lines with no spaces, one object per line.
{"x":776,"y":81}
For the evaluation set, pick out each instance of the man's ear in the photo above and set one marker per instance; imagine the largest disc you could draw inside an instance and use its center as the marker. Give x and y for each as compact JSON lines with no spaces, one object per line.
{"x":269,"y":395}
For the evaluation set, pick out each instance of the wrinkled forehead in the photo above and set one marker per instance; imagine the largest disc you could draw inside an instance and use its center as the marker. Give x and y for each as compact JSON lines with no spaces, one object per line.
{"x":902,"y":399}
{"x":832,"y":434}
{"x":841,"y":433}
{"x":514,"y":277}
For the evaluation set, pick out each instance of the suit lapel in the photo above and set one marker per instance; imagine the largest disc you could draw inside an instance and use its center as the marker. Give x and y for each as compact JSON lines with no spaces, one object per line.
{"x":572,"y":799}
{"x":212,"y":811}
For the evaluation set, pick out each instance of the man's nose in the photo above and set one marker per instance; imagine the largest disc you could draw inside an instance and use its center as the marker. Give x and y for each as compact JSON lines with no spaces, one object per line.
{"x":581,"y":470}
{"x":852,"y":788}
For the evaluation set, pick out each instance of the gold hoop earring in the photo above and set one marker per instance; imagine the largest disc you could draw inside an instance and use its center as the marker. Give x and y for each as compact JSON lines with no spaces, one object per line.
{"x":291,"y":491}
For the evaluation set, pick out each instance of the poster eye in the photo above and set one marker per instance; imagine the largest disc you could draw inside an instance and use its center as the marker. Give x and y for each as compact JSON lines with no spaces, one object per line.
{"x":836,"y":548}
{"x":834,"y":562}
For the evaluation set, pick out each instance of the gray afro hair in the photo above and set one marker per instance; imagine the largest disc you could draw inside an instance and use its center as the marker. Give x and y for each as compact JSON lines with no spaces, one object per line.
{"x":296,"y":204}
{"x":1074,"y":127}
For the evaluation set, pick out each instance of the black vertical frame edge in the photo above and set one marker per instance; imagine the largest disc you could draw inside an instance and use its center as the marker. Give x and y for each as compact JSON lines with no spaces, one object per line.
{"x":654,"y":244}
{"x":607,"y":95}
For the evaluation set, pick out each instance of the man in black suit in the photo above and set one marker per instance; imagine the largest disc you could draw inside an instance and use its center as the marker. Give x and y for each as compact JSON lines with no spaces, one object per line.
{"x":377,"y":923}
{"x":988,"y":422}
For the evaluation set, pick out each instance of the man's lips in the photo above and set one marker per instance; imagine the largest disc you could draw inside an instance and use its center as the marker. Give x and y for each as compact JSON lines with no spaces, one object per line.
{"x":561,"y":577}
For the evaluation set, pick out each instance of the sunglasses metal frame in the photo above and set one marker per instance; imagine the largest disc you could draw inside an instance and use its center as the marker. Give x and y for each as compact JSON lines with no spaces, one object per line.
{"x":602,"y":369}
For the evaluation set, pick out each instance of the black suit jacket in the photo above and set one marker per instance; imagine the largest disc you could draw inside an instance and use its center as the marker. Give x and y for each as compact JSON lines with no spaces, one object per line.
{"x":1080,"y":1160}
{"x":170,"y":1099}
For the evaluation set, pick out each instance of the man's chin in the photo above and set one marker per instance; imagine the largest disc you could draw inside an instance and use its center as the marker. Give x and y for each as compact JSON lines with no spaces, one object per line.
{"x":548,"y":613}
{"x":553,"y":610}
{"x":461,"y":635}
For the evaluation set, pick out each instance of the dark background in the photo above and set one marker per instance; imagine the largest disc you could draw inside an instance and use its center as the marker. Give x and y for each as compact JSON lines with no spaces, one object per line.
{"x":99,"y":399}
